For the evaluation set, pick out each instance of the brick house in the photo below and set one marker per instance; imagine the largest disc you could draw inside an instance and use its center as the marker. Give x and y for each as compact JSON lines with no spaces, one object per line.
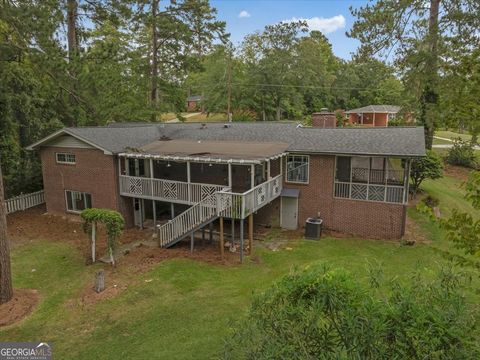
{"x":194,"y":103}
{"x":372,"y":115}
{"x":182,"y":177}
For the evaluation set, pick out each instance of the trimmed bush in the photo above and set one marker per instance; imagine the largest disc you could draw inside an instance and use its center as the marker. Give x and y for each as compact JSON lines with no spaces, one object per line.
{"x":429,"y":167}
{"x":323,"y":313}
{"x":462,"y":153}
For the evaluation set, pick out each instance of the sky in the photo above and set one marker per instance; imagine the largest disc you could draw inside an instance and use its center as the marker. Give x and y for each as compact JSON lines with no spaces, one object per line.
{"x":331,"y":17}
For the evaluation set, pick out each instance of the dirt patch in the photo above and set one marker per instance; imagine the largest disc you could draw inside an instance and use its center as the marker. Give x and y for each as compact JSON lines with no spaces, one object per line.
{"x":457,"y":172}
{"x":21,"y":305}
{"x":35,"y":224}
{"x":413,"y":232}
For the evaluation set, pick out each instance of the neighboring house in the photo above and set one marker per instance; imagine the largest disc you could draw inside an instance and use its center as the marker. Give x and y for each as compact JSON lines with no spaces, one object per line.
{"x":355,"y":179}
{"x":373,"y":115}
{"x":194,"y":102}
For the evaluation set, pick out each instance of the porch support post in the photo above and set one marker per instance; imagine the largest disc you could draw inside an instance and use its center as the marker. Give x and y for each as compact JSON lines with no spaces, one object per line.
{"x":151,"y":181}
{"x":233,"y":231}
{"x":281,"y":165}
{"x":188,"y":181}
{"x":141,"y":213}
{"x":203,"y":236}
{"x":210,"y":232}
{"x":230,"y":175}
{"x":374,"y":119}
{"x":252,"y":176}
{"x":250,"y":234}
{"x":172,"y":210}
{"x":119,"y":166}
{"x":191,"y":241}
{"x":154,"y":208}
{"x":222,"y":239}
{"x":268,"y":170}
{"x":241,"y":240}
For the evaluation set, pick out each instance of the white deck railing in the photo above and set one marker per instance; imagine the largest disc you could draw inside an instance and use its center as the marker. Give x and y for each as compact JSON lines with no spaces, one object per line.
{"x":221,"y":203}
{"x":240,"y":205}
{"x":200,"y":213}
{"x":166,"y":190}
{"x":371,"y":192}
{"x":24,"y":201}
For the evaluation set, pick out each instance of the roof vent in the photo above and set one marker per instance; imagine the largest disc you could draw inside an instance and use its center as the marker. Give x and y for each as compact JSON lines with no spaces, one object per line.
{"x":164,"y":138}
{"x":299,"y":126}
{"x":203,"y":126}
{"x":226,"y":126}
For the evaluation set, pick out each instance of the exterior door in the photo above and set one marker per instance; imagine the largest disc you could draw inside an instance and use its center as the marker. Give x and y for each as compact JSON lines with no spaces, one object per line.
{"x":138,"y":213}
{"x":289,"y":213}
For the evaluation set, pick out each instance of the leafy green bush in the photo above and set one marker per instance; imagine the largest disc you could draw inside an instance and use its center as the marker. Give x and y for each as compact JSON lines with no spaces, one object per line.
{"x":322,"y":313}
{"x":244,"y":115}
{"x":112,"y":220}
{"x":461,"y":153}
{"x":428,"y":167}
{"x":431,"y":201}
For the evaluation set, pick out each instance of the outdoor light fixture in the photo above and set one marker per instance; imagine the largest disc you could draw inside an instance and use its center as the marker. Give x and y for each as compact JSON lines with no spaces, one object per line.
{"x":168,"y":164}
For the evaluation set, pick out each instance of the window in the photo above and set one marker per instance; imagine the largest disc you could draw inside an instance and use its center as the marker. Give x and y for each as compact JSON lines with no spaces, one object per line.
{"x":65,"y":158}
{"x":371,"y":178}
{"x":297,"y":168}
{"x":78,"y":201}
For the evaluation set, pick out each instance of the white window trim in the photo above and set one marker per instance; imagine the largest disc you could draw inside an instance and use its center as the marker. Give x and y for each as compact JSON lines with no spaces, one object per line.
{"x":386,"y":186}
{"x":308,"y":170}
{"x":66,"y":200}
{"x":65,"y":162}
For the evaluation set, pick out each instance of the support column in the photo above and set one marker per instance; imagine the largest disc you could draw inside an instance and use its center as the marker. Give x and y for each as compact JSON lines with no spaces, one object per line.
{"x":191,"y":242}
{"x":210,"y":232}
{"x":373,"y":119}
{"x":222,"y":239}
{"x":203,"y":236}
{"x":229,"y":175}
{"x":241,"y":240}
{"x":233,"y":231}
{"x":151,"y":177}
{"x":250,"y":234}
{"x":188,"y":181}
{"x":252,"y":176}
{"x":172,"y":210}
{"x":268,"y":170}
{"x":142,"y":207}
{"x":281,"y":165}
{"x":154,"y":214}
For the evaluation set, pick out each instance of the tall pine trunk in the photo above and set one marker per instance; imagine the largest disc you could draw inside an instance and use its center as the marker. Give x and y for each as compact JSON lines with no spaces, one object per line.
{"x":429,"y":98}
{"x":154,"y":60}
{"x":72,"y":42}
{"x":6,"y":290}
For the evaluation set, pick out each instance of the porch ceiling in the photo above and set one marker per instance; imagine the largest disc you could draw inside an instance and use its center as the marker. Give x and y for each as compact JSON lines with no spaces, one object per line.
{"x":210,"y":150}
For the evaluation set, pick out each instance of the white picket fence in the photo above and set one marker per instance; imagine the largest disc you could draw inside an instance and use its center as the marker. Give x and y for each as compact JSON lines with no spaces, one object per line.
{"x":24,"y":201}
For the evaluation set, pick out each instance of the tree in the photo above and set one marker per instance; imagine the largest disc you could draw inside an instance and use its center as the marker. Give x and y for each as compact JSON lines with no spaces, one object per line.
{"x":113,"y":222}
{"x":420,"y":37}
{"x":463,"y":230}
{"x":6,"y":289}
{"x":324,"y":313}
{"x":428,"y":167}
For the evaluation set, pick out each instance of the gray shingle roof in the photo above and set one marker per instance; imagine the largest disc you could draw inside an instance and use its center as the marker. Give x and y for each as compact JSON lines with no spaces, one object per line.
{"x":394,"y":141}
{"x":392,"y":109}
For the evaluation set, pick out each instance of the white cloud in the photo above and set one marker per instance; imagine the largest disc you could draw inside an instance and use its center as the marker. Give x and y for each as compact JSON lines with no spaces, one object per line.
{"x":244,"y":14}
{"x":325,"y":25}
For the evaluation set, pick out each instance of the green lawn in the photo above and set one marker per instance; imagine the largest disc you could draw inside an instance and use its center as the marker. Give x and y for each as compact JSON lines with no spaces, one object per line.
{"x":452,"y":135}
{"x":185,"y":309}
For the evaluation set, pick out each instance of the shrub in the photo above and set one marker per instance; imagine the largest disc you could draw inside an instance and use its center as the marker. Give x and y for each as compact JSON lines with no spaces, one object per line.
{"x":461,"y":153}
{"x":244,"y":115}
{"x":428,"y":167}
{"x":322,"y":313}
{"x":430,"y":201}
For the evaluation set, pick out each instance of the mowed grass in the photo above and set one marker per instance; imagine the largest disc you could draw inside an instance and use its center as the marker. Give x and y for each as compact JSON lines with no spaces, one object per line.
{"x":203,"y":117}
{"x":185,"y":308}
{"x":452,"y":135}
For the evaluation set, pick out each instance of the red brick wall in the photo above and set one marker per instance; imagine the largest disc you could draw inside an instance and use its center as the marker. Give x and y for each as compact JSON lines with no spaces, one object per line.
{"x":94,"y":172}
{"x":381,"y":119}
{"x":363,"y":218}
{"x":324,"y":120}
